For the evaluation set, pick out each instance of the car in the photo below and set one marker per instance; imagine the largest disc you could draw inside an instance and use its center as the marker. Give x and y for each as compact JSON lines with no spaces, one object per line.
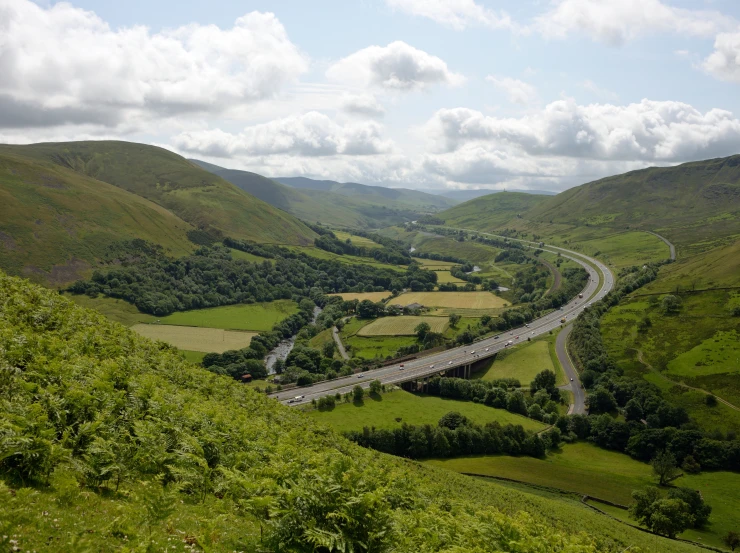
{"x":450,"y":363}
{"x":517,"y":338}
{"x":571,"y":380}
{"x":526,"y":324}
{"x":533,"y":332}
{"x":431,"y":366}
{"x":360,"y":375}
{"x":487,"y":349}
{"x":495,"y":337}
{"x":472,"y":352}
{"x":291,"y":401}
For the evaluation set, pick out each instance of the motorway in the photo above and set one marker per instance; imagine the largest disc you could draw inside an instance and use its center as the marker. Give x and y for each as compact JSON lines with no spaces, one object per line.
{"x":462,"y":356}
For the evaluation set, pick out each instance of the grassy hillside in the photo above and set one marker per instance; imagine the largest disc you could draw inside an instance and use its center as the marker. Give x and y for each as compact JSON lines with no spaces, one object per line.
{"x":56,"y":223}
{"x":491,"y":212}
{"x":289,"y":199}
{"x":110,"y":442}
{"x":687,"y":203}
{"x":195,"y":195}
{"x":380,"y":195}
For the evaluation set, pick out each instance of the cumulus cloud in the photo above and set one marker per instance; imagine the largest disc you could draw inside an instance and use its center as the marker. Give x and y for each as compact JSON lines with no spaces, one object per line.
{"x":365,"y":105}
{"x":311,"y":134}
{"x":724,"y":62}
{"x":70,"y":66}
{"x":616,"y":21}
{"x":458,"y":14}
{"x":397,"y":66}
{"x":517,"y":91}
{"x":647,"y":131}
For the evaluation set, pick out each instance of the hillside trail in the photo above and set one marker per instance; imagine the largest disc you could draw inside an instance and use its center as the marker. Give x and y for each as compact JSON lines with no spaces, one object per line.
{"x":641,"y":359}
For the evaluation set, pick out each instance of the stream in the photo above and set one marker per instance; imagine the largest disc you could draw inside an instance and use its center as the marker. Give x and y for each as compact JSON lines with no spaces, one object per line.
{"x":282,"y":350}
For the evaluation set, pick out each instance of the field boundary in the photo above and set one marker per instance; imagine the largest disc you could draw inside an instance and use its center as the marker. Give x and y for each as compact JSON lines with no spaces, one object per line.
{"x":583,"y":500}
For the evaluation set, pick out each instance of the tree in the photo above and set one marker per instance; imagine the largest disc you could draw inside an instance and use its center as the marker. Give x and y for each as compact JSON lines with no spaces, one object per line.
{"x":358,"y":393}
{"x":544,"y":380}
{"x":664,"y":467}
{"x":667,"y":517}
{"x":454,"y":318}
{"x":633,"y":410}
{"x":670,"y":304}
{"x":698,"y":509}
{"x":710,"y":400}
{"x":690,"y":465}
{"x":453,"y":420}
{"x":732,"y":540}
{"x":375,"y":387}
{"x":601,"y":401}
{"x":421,"y":330}
{"x":328,"y":349}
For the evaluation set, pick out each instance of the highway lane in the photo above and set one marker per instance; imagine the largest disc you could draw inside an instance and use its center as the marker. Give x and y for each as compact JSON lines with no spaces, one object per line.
{"x":578,"y":407}
{"x":464,"y":355}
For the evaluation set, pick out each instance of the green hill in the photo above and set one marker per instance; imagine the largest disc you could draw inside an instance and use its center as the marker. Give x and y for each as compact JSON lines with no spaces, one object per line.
{"x":687,"y":203}
{"x":289,"y":199}
{"x":111,"y":442}
{"x":56,"y":223}
{"x":190,"y":192}
{"x":492,"y":211}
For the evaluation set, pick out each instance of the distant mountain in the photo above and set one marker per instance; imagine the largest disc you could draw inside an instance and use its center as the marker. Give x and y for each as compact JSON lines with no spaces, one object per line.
{"x":491,"y":211}
{"x":465,"y":195}
{"x":382,"y":195}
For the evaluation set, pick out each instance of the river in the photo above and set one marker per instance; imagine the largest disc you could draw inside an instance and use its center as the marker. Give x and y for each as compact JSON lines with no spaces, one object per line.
{"x":282,"y":350}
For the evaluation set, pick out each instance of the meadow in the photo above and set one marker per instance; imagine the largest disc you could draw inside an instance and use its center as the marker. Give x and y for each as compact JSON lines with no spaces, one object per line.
{"x":435,"y":265}
{"x":195,"y":338}
{"x":524,"y":362}
{"x":252,"y":316}
{"x":372,"y":296}
{"x":445,"y":277}
{"x":586,"y":469}
{"x":462,"y":300}
{"x":401,"y":326}
{"x":114,"y":309}
{"x":392,"y":409}
{"x":627,"y":249}
{"x":716,"y":355}
{"x":359,"y":241}
{"x":244,"y":256}
{"x":348,"y":259}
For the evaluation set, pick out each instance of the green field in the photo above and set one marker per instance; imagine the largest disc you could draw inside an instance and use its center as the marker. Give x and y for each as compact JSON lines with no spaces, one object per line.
{"x":445,"y":277}
{"x":372,"y":296}
{"x":254,"y":316}
{"x":401,"y":326}
{"x":586,"y":469}
{"x":348,"y":259}
{"x":360,"y":241}
{"x":717,"y":355}
{"x":115,"y":309}
{"x":453,"y":300}
{"x":321,"y":338}
{"x":382,"y":412}
{"x":244,"y":256}
{"x":469,"y":251}
{"x":491,"y":212}
{"x":194,"y":338}
{"x":627,"y":249}
{"x":524,"y":362}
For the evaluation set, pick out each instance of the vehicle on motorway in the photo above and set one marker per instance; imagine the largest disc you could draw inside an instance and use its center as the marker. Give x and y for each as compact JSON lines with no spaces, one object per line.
{"x":507,"y":344}
{"x":571,"y":380}
{"x":487,"y":349}
{"x":562,"y":320}
{"x":580,"y":295}
{"x":450,"y":363}
{"x":517,"y":338}
{"x":472,"y":352}
{"x":431,"y":366}
{"x":495,"y":337}
{"x":360,"y":375}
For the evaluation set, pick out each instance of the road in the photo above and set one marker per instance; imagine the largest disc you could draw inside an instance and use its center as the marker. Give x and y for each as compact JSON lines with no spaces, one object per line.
{"x":462,"y":356}
{"x":578,"y":407}
{"x":338,"y":342}
{"x":671,"y":247}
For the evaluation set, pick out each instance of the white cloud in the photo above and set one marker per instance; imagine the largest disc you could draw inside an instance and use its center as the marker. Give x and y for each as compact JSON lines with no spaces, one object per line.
{"x":518,"y":91}
{"x":647,"y":131}
{"x":616,"y":21}
{"x":458,"y":14}
{"x":397,"y":66}
{"x":365,"y":105}
{"x":598,"y":91}
{"x":724,"y":62}
{"x":311,"y":134}
{"x":64,"y":65}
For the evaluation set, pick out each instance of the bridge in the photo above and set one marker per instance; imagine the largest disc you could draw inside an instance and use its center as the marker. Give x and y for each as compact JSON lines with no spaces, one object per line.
{"x":458,"y":361}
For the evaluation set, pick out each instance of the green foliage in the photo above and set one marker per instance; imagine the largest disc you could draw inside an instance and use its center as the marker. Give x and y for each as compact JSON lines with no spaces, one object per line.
{"x":732,"y":540}
{"x":664,"y":467}
{"x":358,"y":393}
{"x":667,"y":517}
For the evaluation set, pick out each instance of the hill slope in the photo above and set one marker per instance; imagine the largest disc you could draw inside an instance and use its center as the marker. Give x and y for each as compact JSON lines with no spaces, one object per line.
{"x":380,"y":195}
{"x":492,"y":211}
{"x":289,"y":199}
{"x":686,"y":203}
{"x":109,"y":441}
{"x":55,"y":223}
{"x":193,"y":194}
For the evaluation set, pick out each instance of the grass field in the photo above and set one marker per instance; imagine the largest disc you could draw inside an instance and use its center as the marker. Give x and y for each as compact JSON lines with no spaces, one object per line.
{"x":435,"y":265}
{"x":253,"y":316}
{"x":196,"y":339}
{"x":445,"y":277}
{"x":469,"y":251}
{"x":462,"y":300}
{"x":401,"y":326}
{"x":719,"y":354}
{"x":348,"y":259}
{"x":359,"y":241}
{"x":523,"y":363}
{"x":627,"y":249}
{"x":193,"y":356}
{"x":244,"y":256}
{"x":586,"y":469}
{"x":321,"y":338}
{"x":115,"y":309}
{"x":382,"y":412}
{"x":372,"y":296}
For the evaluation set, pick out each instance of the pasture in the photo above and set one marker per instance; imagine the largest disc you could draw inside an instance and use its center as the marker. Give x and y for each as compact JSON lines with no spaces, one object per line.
{"x":348,"y":259}
{"x":435,"y":265}
{"x":716,"y":355}
{"x":524,"y":362}
{"x":401,"y":326}
{"x":584,"y":468}
{"x":196,"y":339}
{"x":455,"y":300}
{"x":372,"y":296}
{"x":393,"y":409}
{"x":252,"y":316}
{"x":445,"y":277}
{"x":359,"y":241}
{"x":114,"y":309}
{"x":626,"y":249}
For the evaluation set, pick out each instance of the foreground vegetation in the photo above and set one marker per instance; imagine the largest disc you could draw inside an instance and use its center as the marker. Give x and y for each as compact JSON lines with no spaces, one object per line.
{"x":111,"y":442}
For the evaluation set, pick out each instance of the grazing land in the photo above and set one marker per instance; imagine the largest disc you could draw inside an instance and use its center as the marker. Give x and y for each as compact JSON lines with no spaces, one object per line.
{"x":376,"y":347}
{"x":348,"y":259}
{"x":253,"y":316}
{"x":195,"y":338}
{"x":116,"y":310}
{"x":359,"y":241}
{"x":401,"y":326}
{"x":244,"y":256}
{"x":586,"y":469}
{"x":445,"y":277}
{"x":716,"y":355}
{"x":523,"y":363}
{"x":462,"y":300}
{"x":372,"y":296}
{"x":627,"y":249}
{"x":435,"y":265}
{"x":383,"y":411}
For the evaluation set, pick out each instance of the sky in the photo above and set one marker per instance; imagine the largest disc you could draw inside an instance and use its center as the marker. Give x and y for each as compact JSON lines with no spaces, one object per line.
{"x":426,"y":94}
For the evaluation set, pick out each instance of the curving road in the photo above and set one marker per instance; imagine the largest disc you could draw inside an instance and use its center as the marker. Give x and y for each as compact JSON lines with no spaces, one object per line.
{"x":601,"y":281}
{"x":578,"y":407}
{"x":668,"y":243}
